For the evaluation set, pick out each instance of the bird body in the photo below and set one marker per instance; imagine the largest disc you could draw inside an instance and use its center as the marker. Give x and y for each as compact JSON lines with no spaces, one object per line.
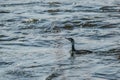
{"x":74,"y":51}
{"x":78,"y":52}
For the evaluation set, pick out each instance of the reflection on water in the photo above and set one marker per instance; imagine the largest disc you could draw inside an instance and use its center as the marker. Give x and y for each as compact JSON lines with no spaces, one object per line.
{"x":33,"y":44}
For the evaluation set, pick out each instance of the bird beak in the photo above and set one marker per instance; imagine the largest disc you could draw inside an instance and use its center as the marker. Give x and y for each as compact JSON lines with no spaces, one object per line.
{"x":67,"y":39}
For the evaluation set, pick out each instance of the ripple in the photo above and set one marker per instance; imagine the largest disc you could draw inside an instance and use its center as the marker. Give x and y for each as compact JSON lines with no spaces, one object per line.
{"x":9,"y":39}
{"x":52,"y":76}
{"x":4,"y":11}
{"x":114,"y":50}
{"x":6,"y":63}
{"x":32,"y":20}
{"x":35,"y":66}
{"x":21,"y":44}
{"x":19,"y":4}
{"x":19,"y":73}
{"x":1,"y":36}
{"x":54,"y":4}
{"x":110,"y":26}
{"x":110,"y":9}
{"x":10,"y":20}
{"x":107,"y":73}
{"x":51,"y":4}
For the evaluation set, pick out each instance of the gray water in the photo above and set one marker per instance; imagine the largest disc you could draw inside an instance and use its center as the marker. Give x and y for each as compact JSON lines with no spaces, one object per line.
{"x":33,"y":44}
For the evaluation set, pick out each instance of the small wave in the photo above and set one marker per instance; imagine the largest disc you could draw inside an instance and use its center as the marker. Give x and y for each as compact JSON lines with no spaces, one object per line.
{"x":110,"y":25}
{"x":19,"y":73}
{"x":4,"y":11}
{"x":18,"y":4}
{"x":52,"y":76}
{"x":110,"y":9}
{"x":107,"y":73}
{"x":6,"y":63}
{"x":8,"y":39}
{"x":1,"y":36}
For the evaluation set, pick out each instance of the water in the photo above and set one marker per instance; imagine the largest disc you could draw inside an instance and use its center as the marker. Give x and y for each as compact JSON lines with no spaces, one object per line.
{"x":33,"y":44}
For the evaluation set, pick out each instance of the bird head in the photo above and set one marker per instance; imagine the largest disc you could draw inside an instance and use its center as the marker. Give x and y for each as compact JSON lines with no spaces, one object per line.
{"x":70,"y":39}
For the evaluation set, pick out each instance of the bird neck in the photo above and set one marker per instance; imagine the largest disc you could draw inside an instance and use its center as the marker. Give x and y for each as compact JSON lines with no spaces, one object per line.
{"x":73,"y":46}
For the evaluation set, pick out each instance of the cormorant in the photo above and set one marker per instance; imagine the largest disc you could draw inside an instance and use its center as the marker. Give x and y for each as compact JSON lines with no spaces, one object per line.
{"x":74,"y":51}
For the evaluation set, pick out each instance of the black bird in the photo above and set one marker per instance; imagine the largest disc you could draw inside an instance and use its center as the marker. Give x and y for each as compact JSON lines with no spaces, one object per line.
{"x":74,"y":51}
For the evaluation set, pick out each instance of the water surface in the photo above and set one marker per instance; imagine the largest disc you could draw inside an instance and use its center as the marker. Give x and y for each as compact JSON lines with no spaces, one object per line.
{"x":33,"y":44}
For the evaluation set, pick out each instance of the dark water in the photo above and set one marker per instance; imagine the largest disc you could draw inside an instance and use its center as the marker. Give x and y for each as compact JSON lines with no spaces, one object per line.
{"x":33,"y":44}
